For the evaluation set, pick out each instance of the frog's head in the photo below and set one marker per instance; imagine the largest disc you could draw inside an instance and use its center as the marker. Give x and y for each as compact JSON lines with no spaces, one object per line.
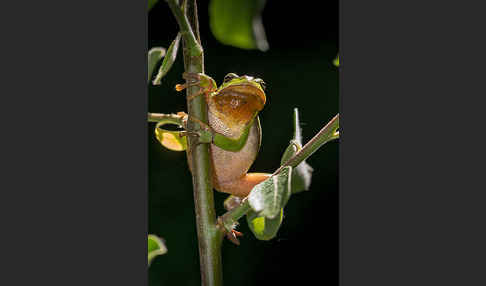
{"x":240,"y":97}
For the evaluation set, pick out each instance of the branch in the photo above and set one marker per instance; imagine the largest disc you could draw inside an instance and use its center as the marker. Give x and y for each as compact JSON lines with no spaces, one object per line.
{"x":168,"y":118}
{"x":231,"y":217}
{"x":209,"y":235}
{"x":326,"y":134}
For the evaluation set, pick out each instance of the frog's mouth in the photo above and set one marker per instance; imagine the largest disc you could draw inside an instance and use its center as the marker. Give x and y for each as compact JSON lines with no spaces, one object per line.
{"x":240,"y":102}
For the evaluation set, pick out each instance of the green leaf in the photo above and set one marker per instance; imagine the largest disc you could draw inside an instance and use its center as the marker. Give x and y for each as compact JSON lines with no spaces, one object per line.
{"x":168,"y":60}
{"x":264,"y":228}
{"x":156,"y":247}
{"x":302,"y":174}
{"x":238,"y":23}
{"x":270,"y":196}
{"x":154,"y":55}
{"x":336,"y":61}
{"x":151,"y":4}
{"x":171,"y":140}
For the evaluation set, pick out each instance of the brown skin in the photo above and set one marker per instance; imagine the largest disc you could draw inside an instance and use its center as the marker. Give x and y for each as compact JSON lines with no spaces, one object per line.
{"x":231,"y":108}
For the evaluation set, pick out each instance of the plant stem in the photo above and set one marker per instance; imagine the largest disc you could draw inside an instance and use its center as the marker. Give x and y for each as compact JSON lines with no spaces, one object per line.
{"x":161,"y":117}
{"x":209,"y":235}
{"x":232,"y":216}
{"x":326,"y":134}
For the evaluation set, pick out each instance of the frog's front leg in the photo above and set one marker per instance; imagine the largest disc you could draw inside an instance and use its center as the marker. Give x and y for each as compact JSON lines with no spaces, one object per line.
{"x":206,"y":84}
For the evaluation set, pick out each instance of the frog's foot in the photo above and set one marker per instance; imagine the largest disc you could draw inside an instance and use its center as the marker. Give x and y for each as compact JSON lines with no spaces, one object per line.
{"x":233,"y":236}
{"x":206,"y":84}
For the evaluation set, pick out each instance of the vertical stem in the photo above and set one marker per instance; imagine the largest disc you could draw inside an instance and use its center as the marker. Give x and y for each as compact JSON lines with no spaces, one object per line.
{"x":209,"y":236}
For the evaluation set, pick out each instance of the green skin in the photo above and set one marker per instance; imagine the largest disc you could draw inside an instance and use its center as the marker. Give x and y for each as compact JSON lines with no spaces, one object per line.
{"x":233,"y":132}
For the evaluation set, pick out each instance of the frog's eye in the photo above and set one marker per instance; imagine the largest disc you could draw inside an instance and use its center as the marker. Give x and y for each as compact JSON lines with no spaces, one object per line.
{"x":261,"y":82}
{"x":229,"y":77}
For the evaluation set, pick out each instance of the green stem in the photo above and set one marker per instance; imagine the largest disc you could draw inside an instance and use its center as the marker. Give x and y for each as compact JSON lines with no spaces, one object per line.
{"x":326,"y":134}
{"x":229,"y":219}
{"x":192,"y":45}
{"x":209,"y":235}
{"x":168,"y":118}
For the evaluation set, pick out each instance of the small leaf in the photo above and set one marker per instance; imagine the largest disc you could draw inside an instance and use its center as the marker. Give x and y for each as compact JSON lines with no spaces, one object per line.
{"x":238,"y":23}
{"x":151,"y":4}
{"x":171,"y":140}
{"x":302,"y":174}
{"x":336,"y":61}
{"x":290,"y":151}
{"x":264,"y":228}
{"x":156,"y":247}
{"x":154,"y":55}
{"x":270,"y":196}
{"x":168,"y":60}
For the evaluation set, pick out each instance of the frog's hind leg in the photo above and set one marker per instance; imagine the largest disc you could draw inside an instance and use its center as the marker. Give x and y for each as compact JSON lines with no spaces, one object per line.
{"x":241,"y":187}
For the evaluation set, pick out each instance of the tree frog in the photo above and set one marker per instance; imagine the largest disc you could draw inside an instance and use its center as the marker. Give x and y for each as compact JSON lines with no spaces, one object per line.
{"x":235,"y":130}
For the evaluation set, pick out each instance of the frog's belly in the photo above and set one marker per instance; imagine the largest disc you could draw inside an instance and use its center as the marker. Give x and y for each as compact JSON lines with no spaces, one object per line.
{"x":227,"y":165}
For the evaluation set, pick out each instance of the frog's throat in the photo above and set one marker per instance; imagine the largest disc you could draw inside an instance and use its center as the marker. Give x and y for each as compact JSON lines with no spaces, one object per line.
{"x":236,"y":105}
{"x":248,"y":88}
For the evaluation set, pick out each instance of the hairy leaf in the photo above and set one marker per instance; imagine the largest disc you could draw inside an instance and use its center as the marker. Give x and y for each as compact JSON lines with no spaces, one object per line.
{"x":154,"y":55}
{"x":264,"y":228}
{"x":168,"y":60}
{"x":156,"y":247}
{"x":302,"y":174}
{"x":270,"y":196}
{"x":238,"y":23}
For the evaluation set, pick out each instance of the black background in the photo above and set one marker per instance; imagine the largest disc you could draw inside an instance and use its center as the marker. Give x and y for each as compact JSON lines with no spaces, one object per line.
{"x":299,"y":73}
{"x":411,"y":152}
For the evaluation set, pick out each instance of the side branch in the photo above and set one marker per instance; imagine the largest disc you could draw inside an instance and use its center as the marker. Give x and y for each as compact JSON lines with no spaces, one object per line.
{"x":326,"y":134}
{"x":168,"y":118}
{"x":230,"y":218}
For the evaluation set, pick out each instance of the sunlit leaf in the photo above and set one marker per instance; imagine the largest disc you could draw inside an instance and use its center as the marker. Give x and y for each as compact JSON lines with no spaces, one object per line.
{"x":169,"y":59}
{"x":270,"y":196}
{"x":336,"y":61}
{"x":171,"y":140}
{"x":156,"y":247}
{"x":302,"y":174}
{"x":238,"y":23}
{"x":264,"y":228}
{"x":151,"y":3}
{"x":154,"y":55}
